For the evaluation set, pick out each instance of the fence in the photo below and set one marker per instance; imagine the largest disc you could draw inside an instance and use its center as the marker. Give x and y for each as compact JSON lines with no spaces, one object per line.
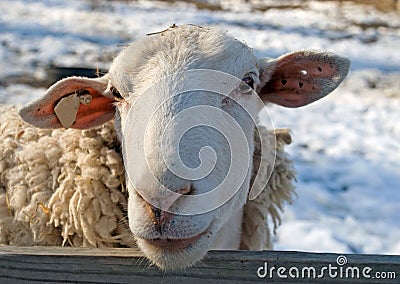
{"x":85,"y":265}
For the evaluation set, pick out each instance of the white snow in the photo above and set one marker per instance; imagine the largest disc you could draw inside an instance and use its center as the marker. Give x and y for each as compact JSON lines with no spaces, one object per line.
{"x":346,"y":146}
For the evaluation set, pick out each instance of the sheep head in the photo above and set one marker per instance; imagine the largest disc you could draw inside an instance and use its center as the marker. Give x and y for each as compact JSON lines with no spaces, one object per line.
{"x":185,"y":103}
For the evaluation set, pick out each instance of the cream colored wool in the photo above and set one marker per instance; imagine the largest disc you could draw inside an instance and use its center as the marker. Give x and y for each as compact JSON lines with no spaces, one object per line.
{"x":278,"y":188}
{"x":60,"y":186}
{"x":66,"y":187}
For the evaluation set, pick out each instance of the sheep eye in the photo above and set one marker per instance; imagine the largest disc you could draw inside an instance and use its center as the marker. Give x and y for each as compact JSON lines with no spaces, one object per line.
{"x":249,"y":81}
{"x":117,"y":96}
{"x":247,"y":85}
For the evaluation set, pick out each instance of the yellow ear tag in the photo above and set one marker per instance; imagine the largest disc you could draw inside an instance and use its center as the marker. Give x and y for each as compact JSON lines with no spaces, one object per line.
{"x":67,"y":109}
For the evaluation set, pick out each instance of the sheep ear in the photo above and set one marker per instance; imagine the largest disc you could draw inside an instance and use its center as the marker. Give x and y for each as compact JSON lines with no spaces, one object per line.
{"x":300,"y":78}
{"x":75,"y":102}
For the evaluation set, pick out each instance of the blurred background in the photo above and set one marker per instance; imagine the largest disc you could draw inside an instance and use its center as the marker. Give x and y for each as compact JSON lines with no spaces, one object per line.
{"x":346,"y":147}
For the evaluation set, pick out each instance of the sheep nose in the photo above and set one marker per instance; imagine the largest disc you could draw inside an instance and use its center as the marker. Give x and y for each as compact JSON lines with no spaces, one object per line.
{"x":159,"y":206}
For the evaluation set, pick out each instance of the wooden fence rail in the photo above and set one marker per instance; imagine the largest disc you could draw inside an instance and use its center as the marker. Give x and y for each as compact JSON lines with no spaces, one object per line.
{"x":84,"y":265}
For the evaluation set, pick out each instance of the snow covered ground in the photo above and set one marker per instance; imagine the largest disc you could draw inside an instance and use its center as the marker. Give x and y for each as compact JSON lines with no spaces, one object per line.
{"x":347,"y":146}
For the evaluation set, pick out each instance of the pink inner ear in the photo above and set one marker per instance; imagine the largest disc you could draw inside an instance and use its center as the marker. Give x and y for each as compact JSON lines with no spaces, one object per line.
{"x":97,"y":112}
{"x":40,"y":113}
{"x":299,"y":80}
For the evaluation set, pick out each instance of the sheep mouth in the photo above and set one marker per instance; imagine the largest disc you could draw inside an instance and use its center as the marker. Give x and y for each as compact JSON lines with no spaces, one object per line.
{"x":174,"y":244}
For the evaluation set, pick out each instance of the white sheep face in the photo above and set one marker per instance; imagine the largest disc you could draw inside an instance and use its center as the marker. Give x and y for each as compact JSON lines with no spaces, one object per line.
{"x":156,"y":179}
{"x":187,"y":150}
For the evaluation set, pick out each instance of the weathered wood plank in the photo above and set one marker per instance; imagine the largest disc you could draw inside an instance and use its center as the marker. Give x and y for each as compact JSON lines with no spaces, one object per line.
{"x":84,"y":265}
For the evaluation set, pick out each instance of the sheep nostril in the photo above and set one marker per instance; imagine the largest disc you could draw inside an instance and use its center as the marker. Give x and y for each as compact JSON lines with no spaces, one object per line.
{"x":188,"y":190}
{"x":159,"y":209}
{"x":156,"y":212}
{"x":192,"y":190}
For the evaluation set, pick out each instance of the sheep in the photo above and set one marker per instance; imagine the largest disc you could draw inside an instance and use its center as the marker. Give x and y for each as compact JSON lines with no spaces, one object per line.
{"x":185,"y":103}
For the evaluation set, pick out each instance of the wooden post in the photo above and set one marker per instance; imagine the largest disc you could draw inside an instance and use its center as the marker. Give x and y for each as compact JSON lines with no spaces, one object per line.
{"x":87,"y":265}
